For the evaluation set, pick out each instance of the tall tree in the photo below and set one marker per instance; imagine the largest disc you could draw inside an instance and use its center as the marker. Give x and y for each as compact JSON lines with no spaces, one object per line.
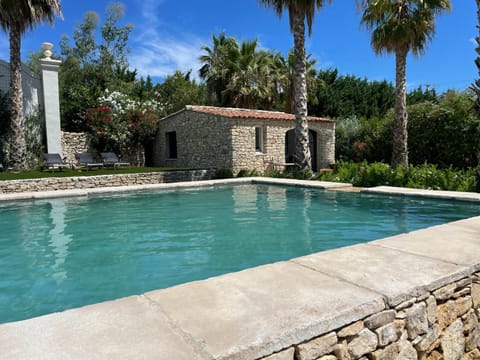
{"x":215,"y":67}
{"x":400,"y":27}
{"x":94,"y":61}
{"x":476,"y":85}
{"x":240,"y":75}
{"x":476,"y":89}
{"x":16,"y":17}
{"x":249,"y":75}
{"x":287,"y":66}
{"x":179,"y":90}
{"x":299,"y":11}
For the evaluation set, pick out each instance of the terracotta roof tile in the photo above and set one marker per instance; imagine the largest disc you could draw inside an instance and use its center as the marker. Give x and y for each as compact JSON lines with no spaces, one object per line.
{"x":248,"y":113}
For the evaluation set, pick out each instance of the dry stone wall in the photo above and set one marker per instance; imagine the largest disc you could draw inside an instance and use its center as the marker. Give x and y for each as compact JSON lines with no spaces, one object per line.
{"x":438,"y":325}
{"x":88,"y":182}
{"x":73,"y":143}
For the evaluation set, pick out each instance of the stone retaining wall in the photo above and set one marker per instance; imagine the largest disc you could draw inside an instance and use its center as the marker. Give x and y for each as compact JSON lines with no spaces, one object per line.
{"x":86,"y":182}
{"x":442,"y":324}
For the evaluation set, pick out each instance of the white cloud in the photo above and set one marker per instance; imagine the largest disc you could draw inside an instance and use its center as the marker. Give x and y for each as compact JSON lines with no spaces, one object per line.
{"x":161,"y":56}
{"x":157,"y":51}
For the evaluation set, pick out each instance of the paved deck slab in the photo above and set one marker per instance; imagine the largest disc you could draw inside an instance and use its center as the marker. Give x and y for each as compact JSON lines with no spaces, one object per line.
{"x":457,"y":243}
{"x":440,"y":194}
{"x":130,"y":328}
{"x":177,"y":185}
{"x":303,"y":183}
{"x":395,"y":274}
{"x":255,"y":312}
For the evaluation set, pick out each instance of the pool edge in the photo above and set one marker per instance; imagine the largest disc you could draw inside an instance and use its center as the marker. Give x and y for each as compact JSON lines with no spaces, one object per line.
{"x":114,"y":327}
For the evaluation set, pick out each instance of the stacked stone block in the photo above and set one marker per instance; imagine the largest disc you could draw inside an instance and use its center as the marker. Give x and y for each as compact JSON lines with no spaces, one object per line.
{"x":438,"y":325}
{"x":73,"y":143}
{"x":88,"y":182}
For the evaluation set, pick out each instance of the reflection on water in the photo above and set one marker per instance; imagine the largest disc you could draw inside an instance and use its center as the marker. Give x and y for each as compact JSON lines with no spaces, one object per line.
{"x":58,"y":239}
{"x":277,"y":198}
{"x":61,"y":253}
{"x":244,"y":200}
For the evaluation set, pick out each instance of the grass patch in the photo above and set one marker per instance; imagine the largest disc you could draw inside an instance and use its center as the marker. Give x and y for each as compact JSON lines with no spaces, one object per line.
{"x":37,"y":174}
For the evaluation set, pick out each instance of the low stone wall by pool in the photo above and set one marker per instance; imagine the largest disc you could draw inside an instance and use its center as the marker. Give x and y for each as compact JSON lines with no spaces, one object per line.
{"x":414,"y":296}
{"x":438,"y":324}
{"x":88,"y":182}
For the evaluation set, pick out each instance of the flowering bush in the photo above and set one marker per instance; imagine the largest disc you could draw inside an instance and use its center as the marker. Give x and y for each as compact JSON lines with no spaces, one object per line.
{"x":120,"y":123}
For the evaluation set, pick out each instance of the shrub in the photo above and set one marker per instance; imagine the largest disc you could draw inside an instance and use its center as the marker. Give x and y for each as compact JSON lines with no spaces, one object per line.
{"x":248,"y":173}
{"x":301,"y":174}
{"x":223,"y":174}
{"x":120,"y":123}
{"x":425,"y":176}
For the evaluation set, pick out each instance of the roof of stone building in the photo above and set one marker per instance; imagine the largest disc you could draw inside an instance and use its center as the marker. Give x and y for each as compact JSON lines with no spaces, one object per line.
{"x":238,"y":113}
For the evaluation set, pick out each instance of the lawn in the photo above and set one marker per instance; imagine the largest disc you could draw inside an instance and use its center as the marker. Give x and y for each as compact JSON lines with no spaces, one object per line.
{"x":36,"y":174}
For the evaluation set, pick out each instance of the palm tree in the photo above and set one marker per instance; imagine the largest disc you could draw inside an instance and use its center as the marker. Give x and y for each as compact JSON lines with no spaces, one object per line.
{"x":398,"y":27}
{"x":16,"y":17}
{"x":476,"y":90}
{"x":299,"y":11}
{"x":288,"y":67}
{"x":475,"y":87}
{"x":250,"y":76}
{"x":215,"y":67}
{"x":237,"y":74}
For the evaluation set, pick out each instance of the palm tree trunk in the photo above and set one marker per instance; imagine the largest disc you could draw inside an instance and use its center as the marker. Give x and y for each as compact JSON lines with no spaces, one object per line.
{"x":302,"y":150}
{"x":18,"y":147}
{"x":400,"y":134}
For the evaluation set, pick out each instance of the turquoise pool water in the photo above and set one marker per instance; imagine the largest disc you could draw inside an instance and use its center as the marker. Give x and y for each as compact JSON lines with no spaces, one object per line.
{"x":57,"y":254}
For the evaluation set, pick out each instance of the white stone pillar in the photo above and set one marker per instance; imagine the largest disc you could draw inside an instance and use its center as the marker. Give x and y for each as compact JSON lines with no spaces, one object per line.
{"x":51,"y":100}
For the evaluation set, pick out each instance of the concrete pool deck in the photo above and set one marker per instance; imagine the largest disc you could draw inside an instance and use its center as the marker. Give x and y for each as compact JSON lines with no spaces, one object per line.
{"x":260,"y":311}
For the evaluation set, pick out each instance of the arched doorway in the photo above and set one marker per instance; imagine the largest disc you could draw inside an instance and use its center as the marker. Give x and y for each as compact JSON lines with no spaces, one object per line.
{"x":290,"y":147}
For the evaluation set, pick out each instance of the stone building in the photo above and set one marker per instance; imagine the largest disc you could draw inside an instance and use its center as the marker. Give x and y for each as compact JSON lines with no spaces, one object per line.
{"x":232,"y":138}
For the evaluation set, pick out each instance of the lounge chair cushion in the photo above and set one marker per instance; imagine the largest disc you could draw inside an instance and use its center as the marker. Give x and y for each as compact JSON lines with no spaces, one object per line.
{"x":54,"y":161}
{"x":110,"y":158}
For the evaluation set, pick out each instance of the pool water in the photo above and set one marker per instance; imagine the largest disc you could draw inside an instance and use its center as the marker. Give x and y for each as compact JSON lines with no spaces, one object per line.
{"x":62,"y":253}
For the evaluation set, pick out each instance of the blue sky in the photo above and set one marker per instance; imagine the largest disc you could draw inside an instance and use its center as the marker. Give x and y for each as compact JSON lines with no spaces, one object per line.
{"x":168,"y":35}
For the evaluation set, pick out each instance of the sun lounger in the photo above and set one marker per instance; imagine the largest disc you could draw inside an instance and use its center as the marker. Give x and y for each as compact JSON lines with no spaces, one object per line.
{"x":86,"y":160}
{"x":54,"y":161}
{"x":111,"y":159}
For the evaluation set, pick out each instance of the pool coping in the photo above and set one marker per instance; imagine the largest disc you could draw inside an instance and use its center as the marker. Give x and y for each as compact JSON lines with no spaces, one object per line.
{"x":32,"y":195}
{"x":258,"y":311}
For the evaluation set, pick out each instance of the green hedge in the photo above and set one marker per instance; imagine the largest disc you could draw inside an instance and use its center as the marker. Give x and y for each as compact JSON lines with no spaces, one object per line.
{"x":424,"y":176}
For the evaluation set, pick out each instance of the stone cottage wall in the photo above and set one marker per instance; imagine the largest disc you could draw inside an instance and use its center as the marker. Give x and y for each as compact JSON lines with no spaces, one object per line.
{"x":438,"y":325}
{"x":213,"y":141}
{"x":246,"y":157}
{"x":203,"y":141}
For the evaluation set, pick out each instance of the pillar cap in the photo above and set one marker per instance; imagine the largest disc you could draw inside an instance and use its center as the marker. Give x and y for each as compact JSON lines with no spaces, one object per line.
{"x":47,"y":50}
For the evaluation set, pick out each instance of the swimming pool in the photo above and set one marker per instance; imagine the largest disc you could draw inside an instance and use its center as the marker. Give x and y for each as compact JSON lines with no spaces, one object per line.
{"x":61,"y":253}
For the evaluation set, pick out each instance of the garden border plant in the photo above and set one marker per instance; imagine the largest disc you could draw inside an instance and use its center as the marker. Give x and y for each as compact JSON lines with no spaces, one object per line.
{"x":425,"y":176}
